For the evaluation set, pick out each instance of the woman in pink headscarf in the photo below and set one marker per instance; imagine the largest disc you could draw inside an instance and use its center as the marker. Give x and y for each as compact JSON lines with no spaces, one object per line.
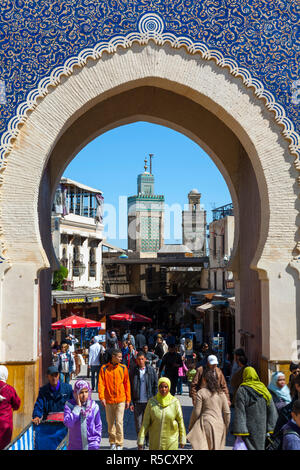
{"x":9,"y":401}
{"x":82,"y":418}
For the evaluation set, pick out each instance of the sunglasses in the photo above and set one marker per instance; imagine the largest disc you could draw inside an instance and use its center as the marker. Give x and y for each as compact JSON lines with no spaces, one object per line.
{"x":296,"y":372}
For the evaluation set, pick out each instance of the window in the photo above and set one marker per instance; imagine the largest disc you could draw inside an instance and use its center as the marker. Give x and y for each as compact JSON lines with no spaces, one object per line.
{"x":223,"y":244}
{"x":92,"y":263}
{"x":214,"y":246}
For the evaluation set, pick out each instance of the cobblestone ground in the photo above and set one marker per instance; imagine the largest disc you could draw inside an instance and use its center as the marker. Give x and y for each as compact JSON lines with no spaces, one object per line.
{"x":129,"y":427}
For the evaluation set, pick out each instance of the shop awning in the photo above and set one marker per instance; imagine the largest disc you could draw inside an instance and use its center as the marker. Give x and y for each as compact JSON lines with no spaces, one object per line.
{"x":75,"y":299}
{"x":78,"y":296}
{"x":94,"y":298}
{"x":204,"y":307}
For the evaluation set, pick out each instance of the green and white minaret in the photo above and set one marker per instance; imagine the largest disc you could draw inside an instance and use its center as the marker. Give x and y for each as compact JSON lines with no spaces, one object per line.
{"x":146,"y":216}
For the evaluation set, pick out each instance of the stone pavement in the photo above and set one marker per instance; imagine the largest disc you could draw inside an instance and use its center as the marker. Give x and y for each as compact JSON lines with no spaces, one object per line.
{"x":129,"y":427}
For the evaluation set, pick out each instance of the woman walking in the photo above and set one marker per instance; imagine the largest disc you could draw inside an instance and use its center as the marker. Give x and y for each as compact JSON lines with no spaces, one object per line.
{"x":163,"y":420}
{"x":82,"y":418}
{"x":255,"y":413}
{"x":279,"y":390}
{"x":210,"y":418}
{"x":9,"y":402}
{"x":181,"y":376}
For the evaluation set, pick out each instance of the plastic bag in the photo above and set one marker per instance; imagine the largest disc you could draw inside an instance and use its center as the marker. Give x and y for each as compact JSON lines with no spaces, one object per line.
{"x":239,"y":444}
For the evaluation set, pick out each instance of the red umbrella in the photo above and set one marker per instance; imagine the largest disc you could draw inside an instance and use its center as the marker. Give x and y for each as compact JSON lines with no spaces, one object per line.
{"x":130,"y":316}
{"x":76,"y":322}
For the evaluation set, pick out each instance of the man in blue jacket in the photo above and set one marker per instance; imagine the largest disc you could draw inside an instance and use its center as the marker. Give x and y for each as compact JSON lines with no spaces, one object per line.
{"x":52,"y":396}
{"x":143,"y":384}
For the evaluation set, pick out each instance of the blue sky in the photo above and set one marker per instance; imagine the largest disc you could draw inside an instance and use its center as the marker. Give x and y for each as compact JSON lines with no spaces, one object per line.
{"x":112,"y":161}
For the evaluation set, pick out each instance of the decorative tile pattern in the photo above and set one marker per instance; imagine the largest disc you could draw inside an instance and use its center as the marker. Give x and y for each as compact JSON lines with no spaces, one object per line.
{"x":42,"y":39}
{"x":150,"y":234}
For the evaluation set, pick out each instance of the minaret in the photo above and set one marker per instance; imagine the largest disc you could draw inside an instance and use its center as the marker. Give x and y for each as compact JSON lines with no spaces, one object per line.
{"x":146,"y":216}
{"x":194,"y":224}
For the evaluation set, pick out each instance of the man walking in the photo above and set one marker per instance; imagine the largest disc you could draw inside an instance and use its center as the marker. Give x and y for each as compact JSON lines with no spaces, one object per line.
{"x":143,"y":384}
{"x":66,"y":363}
{"x":129,"y":338}
{"x":129,"y":358}
{"x":52,"y":398}
{"x":171,"y":362}
{"x":96,"y":355}
{"x":140,"y":341}
{"x":149,"y":355}
{"x":115,"y":396}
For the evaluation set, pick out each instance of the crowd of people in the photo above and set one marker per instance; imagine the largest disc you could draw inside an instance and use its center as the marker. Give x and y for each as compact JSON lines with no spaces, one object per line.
{"x":144,"y":373}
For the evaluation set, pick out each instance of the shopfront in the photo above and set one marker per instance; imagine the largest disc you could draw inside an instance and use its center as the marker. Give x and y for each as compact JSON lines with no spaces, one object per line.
{"x":82,"y":304}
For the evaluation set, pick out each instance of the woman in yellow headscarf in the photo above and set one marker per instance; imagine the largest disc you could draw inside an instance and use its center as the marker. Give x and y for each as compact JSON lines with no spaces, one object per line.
{"x":163,"y":420}
{"x":255,"y":414}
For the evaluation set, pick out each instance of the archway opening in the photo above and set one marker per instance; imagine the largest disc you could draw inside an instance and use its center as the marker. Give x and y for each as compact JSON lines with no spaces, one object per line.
{"x":157,"y":105}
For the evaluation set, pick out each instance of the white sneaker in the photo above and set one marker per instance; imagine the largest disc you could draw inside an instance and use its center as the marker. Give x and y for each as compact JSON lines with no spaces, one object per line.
{"x":119,"y":448}
{"x":113,"y":447}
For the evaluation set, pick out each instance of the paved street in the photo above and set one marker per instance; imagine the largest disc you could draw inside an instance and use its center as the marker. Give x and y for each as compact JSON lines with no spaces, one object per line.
{"x":129,"y":428}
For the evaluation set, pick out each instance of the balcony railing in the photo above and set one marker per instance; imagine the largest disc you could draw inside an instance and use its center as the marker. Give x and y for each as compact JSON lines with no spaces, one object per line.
{"x":222,"y":212}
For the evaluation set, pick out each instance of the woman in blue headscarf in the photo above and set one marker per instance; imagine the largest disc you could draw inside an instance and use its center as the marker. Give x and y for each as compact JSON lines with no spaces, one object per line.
{"x":279,"y":390}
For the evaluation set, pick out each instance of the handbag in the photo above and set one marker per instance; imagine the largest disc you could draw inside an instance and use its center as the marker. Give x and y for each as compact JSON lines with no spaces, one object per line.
{"x":239,"y":444}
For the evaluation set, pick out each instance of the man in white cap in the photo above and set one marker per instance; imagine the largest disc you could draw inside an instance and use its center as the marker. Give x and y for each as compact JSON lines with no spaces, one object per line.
{"x":197,"y":383}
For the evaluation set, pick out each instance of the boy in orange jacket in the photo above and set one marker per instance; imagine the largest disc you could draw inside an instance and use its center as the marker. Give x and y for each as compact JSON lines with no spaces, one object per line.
{"x":115,"y":396}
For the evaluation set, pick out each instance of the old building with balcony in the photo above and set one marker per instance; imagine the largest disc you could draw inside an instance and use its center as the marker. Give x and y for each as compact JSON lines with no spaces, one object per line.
{"x":77,"y":235}
{"x":217,"y":307}
{"x":221,"y":236}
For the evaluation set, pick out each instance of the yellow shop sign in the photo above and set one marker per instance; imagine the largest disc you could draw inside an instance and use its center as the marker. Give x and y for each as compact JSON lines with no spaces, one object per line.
{"x":74,"y":301}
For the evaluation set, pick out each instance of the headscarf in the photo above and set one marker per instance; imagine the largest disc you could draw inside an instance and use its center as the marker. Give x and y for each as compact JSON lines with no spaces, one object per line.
{"x":3,"y":373}
{"x":80,"y":385}
{"x":283,"y":392}
{"x":251,"y":379}
{"x":164,"y":401}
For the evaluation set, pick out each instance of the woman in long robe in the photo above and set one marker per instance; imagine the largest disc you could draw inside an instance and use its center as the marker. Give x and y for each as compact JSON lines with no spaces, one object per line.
{"x":163,"y":420}
{"x":255,"y":414}
{"x":9,"y":402}
{"x":210,"y":418}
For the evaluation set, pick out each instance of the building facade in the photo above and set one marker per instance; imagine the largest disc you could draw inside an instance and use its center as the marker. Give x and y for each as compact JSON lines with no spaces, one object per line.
{"x":145,"y":217}
{"x":194,"y":225}
{"x":77,"y":233}
{"x":221,"y":237}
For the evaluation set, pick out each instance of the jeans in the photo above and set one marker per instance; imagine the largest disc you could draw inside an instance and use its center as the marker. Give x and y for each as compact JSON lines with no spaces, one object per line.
{"x":95,"y":373}
{"x":65,"y":378}
{"x":173,"y":380}
{"x":139,"y":409}
{"x":179,"y":385}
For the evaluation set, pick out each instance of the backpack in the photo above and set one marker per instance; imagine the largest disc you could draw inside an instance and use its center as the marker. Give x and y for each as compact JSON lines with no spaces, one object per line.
{"x":275,"y":442}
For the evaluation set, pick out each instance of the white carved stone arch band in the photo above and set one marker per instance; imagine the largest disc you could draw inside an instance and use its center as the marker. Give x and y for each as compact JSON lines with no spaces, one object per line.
{"x":150,"y":28}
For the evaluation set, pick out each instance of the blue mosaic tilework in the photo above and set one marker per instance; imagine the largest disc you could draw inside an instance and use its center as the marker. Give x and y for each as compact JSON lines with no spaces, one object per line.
{"x":36,"y":36}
